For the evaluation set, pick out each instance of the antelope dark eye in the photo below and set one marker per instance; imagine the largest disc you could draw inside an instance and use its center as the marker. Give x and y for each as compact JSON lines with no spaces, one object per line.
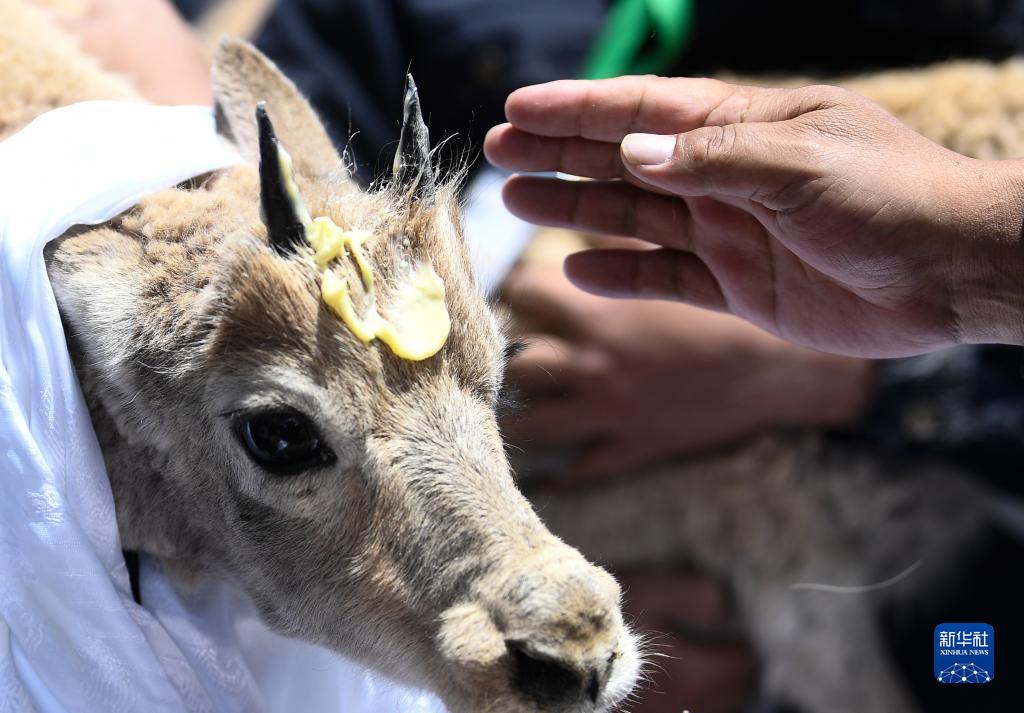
{"x":283,"y":441}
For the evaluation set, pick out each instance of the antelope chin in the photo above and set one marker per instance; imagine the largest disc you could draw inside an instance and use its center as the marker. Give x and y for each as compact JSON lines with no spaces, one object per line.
{"x":624,"y":675}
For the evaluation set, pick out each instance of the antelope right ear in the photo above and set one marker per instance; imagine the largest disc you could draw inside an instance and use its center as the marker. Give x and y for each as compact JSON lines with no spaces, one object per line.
{"x":243,"y":77}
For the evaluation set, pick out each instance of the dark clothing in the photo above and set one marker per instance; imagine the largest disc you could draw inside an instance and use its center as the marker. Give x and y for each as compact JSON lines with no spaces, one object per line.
{"x":350,"y":56}
{"x":984,"y":585}
{"x":838,"y":37}
{"x":350,"y":59}
{"x":961,"y":406}
{"x":964,"y":406}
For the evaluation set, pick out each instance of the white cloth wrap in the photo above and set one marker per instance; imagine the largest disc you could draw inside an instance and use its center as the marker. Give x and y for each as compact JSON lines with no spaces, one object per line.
{"x":71,"y":636}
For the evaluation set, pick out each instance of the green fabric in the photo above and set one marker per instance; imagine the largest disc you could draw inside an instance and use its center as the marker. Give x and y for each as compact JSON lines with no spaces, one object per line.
{"x":620,"y":47}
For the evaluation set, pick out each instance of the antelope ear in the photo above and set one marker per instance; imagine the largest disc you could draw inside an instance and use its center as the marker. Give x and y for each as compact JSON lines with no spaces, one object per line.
{"x":243,"y":77}
{"x":412,"y":168}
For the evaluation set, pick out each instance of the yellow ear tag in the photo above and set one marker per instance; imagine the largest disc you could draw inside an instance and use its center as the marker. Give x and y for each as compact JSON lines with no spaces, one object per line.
{"x":418,"y":323}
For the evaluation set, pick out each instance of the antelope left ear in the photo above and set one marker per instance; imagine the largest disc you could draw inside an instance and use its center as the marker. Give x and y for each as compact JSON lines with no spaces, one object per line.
{"x":412,"y":168}
{"x":243,"y":76}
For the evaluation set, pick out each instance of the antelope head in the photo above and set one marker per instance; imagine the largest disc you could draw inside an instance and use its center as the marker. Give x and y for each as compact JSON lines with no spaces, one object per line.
{"x":294,"y":382}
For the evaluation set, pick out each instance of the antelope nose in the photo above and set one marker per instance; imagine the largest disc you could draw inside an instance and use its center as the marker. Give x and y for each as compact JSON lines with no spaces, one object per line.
{"x":552,"y":683}
{"x":549,"y":634}
{"x":561,"y":624}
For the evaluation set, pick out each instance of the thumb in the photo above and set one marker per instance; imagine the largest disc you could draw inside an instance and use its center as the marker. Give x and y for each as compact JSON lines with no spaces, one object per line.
{"x":766,"y":162}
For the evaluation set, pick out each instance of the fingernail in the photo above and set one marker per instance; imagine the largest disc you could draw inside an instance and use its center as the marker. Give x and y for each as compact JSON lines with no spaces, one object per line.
{"x":648,"y":149}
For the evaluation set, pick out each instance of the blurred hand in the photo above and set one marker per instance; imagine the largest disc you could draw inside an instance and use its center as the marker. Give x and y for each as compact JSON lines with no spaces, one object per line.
{"x":147,"y":41}
{"x":688,"y":672}
{"x":810,"y":212}
{"x":627,"y":383}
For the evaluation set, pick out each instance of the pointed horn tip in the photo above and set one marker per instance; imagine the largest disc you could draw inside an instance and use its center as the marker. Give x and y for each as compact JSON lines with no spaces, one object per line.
{"x":267,"y":135}
{"x":412,"y":94}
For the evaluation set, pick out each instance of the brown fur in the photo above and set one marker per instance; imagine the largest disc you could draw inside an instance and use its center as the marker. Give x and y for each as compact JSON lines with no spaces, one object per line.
{"x":43,"y":69}
{"x":412,"y":552}
{"x":974,"y":108}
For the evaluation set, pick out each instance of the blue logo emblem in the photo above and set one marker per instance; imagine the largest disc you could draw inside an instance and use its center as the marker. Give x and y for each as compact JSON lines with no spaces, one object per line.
{"x":965,"y":653}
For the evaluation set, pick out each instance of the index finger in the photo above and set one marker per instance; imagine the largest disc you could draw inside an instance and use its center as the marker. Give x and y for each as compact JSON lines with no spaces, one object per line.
{"x":609,"y":109}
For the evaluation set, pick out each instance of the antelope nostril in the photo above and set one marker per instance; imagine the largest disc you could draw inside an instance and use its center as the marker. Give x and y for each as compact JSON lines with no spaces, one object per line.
{"x":548,"y":682}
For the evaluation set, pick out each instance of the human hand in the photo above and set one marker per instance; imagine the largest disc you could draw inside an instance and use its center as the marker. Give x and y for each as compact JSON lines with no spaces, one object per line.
{"x":810,"y":212}
{"x":628,"y":383}
{"x":700,"y":663}
{"x":145,"y":40}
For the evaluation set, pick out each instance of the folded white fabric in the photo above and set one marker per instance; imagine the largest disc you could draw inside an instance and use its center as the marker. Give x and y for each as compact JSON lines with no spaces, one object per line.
{"x":71,"y":636}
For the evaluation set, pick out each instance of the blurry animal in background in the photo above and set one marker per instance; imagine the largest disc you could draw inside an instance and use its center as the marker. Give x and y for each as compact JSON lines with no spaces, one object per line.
{"x":362,"y":500}
{"x":972,"y":107}
{"x":813,"y":537}
{"x":805,"y":532}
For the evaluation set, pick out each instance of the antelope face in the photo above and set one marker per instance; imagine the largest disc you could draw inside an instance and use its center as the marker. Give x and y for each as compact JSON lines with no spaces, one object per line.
{"x":366,"y":504}
{"x":362,"y":499}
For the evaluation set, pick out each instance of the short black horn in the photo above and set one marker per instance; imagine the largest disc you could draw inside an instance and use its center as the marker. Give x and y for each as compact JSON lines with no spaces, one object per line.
{"x":278,"y":206}
{"x":412,"y":167}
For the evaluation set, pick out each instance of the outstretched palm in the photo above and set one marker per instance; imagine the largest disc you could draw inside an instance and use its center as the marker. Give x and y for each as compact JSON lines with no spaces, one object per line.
{"x":812,"y":213}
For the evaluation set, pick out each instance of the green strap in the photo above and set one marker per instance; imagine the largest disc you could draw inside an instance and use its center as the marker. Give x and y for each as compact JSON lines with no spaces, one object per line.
{"x":619,"y":48}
